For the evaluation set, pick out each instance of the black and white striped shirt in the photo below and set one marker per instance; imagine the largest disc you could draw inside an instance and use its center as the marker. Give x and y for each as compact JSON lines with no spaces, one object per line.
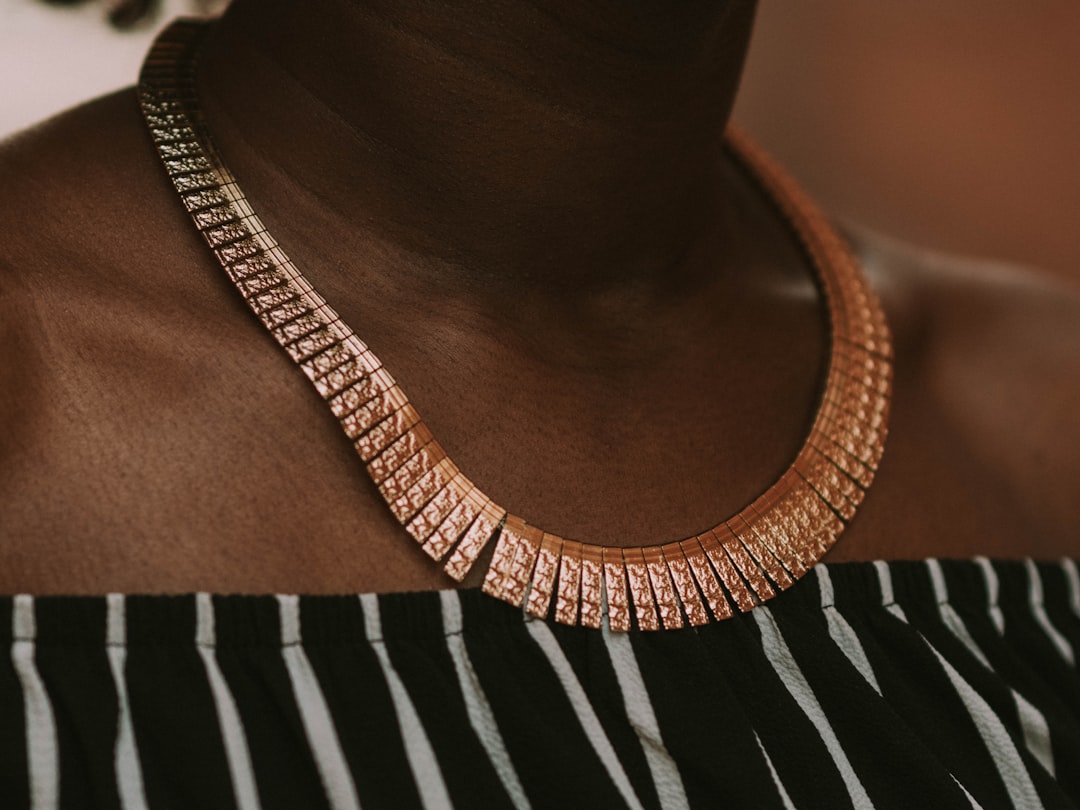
{"x":906,"y":685}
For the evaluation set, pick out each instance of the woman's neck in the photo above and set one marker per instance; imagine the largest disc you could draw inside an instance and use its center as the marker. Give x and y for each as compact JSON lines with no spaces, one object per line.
{"x":564,"y":142}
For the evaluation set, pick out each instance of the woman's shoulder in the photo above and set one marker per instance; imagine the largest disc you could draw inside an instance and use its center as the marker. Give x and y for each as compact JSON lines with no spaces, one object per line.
{"x":99,"y":259}
{"x":85,"y":203}
{"x":115,"y":327}
{"x":100,"y":272}
{"x":992,"y":350}
{"x":75,"y":212}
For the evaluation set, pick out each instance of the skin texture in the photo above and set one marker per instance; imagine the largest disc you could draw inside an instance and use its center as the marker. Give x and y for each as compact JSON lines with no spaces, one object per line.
{"x":600,"y":320}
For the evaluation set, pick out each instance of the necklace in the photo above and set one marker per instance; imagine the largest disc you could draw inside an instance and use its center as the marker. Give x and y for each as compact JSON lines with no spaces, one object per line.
{"x":728,"y":568}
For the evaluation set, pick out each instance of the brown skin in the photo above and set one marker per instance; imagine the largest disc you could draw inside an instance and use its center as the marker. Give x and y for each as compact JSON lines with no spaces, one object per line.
{"x":593,"y":311}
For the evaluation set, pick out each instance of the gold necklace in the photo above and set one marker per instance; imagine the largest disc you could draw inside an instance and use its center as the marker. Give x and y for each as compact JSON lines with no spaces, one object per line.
{"x":731,"y":567}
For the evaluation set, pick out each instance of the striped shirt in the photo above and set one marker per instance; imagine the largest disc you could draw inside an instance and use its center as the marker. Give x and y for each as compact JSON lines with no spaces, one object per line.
{"x":910,"y":684}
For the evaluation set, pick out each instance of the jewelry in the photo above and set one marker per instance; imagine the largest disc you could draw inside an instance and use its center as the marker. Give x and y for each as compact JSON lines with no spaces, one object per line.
{"x":731,"y":567}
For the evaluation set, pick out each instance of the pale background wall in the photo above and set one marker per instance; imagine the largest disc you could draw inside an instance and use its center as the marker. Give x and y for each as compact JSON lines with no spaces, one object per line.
{"x":951,"y":123}
{"x":54,"y":56}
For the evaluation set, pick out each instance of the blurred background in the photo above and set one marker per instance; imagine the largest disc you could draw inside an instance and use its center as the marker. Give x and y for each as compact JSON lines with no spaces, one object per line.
{"x":55,"y":54}
{"x":953,"y":124}
{"x":948,"y":123}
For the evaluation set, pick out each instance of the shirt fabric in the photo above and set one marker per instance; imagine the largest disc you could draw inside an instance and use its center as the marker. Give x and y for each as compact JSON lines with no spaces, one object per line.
{"x":934,"y":684}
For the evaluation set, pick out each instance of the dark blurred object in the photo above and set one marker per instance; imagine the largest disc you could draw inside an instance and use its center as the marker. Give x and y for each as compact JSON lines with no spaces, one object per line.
{"x":121,"y":14}
{"x":127,"y":14}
